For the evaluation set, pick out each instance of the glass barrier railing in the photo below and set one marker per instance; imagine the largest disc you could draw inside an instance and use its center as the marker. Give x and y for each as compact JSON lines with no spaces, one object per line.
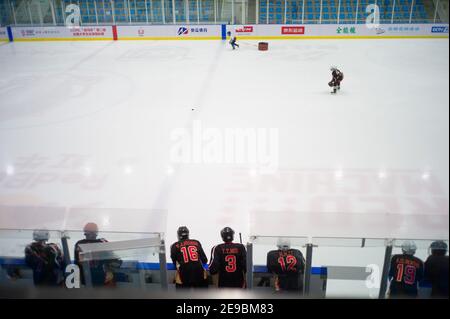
{"x":348,"y":263}
{"x":136,"y":259}
{"x":339,"y":267}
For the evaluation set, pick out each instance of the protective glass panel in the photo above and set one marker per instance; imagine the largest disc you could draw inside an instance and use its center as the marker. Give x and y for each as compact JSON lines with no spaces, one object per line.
{"x":143,"y":250}
{"x":180,"y":11}
{"x":87,"y":11}
{"x":155,"y":11}
{"x":121,"y":12}
{"x":14,"y":241}
{"x":108,"y":220}
{"x":224,"y":11}
{"x":329,"y":12}
{"x":21,"y":12}
{"x":348,"y":242}
{"x":168,"y":11}
{"x":193,"y":11}
{"x":104,"y":11}
{"x":312,"y":11}
{"x":5,"y":14}
{"x":349,"y":262}
{"x":423,"y":246}
{"x":113,"y":224}
{"x":294,"y":11}
{"x":364,"y":224}
{"x":440,"y":14}
{"x":206,"y":9}
{"x":122,"y":262}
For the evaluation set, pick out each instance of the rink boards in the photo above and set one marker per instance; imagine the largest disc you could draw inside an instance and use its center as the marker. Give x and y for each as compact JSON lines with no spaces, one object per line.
{"x":218,"y":32}
{"x":3,"y":35}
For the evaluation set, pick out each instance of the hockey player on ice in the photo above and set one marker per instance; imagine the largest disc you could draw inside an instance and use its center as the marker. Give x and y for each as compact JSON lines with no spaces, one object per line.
{"x":335,"y":82}
{"x":233,"y":40}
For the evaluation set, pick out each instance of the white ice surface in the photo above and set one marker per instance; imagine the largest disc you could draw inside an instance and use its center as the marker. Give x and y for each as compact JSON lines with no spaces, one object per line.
{"x":96,"y":119}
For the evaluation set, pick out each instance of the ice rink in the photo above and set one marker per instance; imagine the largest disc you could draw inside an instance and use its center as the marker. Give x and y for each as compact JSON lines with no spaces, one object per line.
{"x":98,"y":125}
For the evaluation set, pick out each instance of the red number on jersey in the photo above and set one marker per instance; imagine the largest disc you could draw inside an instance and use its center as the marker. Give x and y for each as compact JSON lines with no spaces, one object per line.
{"x":406,"y":273}
{"x":291,"y":261}
{"x":189,"y":253}
{"x":231,"y":260}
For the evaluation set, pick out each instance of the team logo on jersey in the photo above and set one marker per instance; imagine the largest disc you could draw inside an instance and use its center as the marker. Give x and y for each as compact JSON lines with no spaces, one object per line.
{"x":183,"y":31}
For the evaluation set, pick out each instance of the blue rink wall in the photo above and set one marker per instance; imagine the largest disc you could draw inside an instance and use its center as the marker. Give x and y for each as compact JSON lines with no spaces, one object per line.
{"x":219,"y":32}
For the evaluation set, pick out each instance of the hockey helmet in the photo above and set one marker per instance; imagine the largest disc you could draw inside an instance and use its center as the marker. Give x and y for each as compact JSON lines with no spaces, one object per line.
{"x":227,"y":234}
{"x":283,"y":244}
{"x":41,"y":235}
{"x":409,"y":247}
{"x":183,"y":233}
{"x":439,"y":246}
{"x":333,"y":68}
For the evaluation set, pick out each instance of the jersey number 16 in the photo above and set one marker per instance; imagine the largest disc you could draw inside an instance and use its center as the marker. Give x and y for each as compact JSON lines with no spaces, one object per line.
{"x":189,"y":253}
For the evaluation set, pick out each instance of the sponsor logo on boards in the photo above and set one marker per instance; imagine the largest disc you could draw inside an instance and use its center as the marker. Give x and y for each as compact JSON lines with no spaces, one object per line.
{"x":293,"y":30}
{"x":183,"y":31}
{"x":439,"y":29}
{"x":245,"y":29}
{"x":346,"y":30}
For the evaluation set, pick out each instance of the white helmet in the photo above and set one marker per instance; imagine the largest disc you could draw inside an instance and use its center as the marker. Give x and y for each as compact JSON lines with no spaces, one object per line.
{"x":409,"y":247}
{"x":41,"y":235}
{"x":283,"y":243}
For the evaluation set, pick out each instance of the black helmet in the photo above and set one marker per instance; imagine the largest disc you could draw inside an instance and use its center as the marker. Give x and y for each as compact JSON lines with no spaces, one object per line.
{"x":183,"y":233}
{"x":439,"y":246}
{"x":227,"y":234}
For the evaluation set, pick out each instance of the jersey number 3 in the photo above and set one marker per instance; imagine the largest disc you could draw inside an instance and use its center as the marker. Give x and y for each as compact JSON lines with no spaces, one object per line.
{"x":231,"y":261}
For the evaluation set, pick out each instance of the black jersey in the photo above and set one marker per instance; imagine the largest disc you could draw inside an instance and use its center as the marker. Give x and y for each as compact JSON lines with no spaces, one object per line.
{"x":288,"y":267}
{"x":46,"y":261}
{"x":188,"y":257}
{"x":436,"y":272}
{"x":229,"y":261}
{"x":101,"y":271}
{"x":337,"y":75}
{"x":406,"y":272}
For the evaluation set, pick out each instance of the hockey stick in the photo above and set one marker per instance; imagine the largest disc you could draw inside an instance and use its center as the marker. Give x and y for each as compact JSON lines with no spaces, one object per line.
{"x":240,"y":237}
